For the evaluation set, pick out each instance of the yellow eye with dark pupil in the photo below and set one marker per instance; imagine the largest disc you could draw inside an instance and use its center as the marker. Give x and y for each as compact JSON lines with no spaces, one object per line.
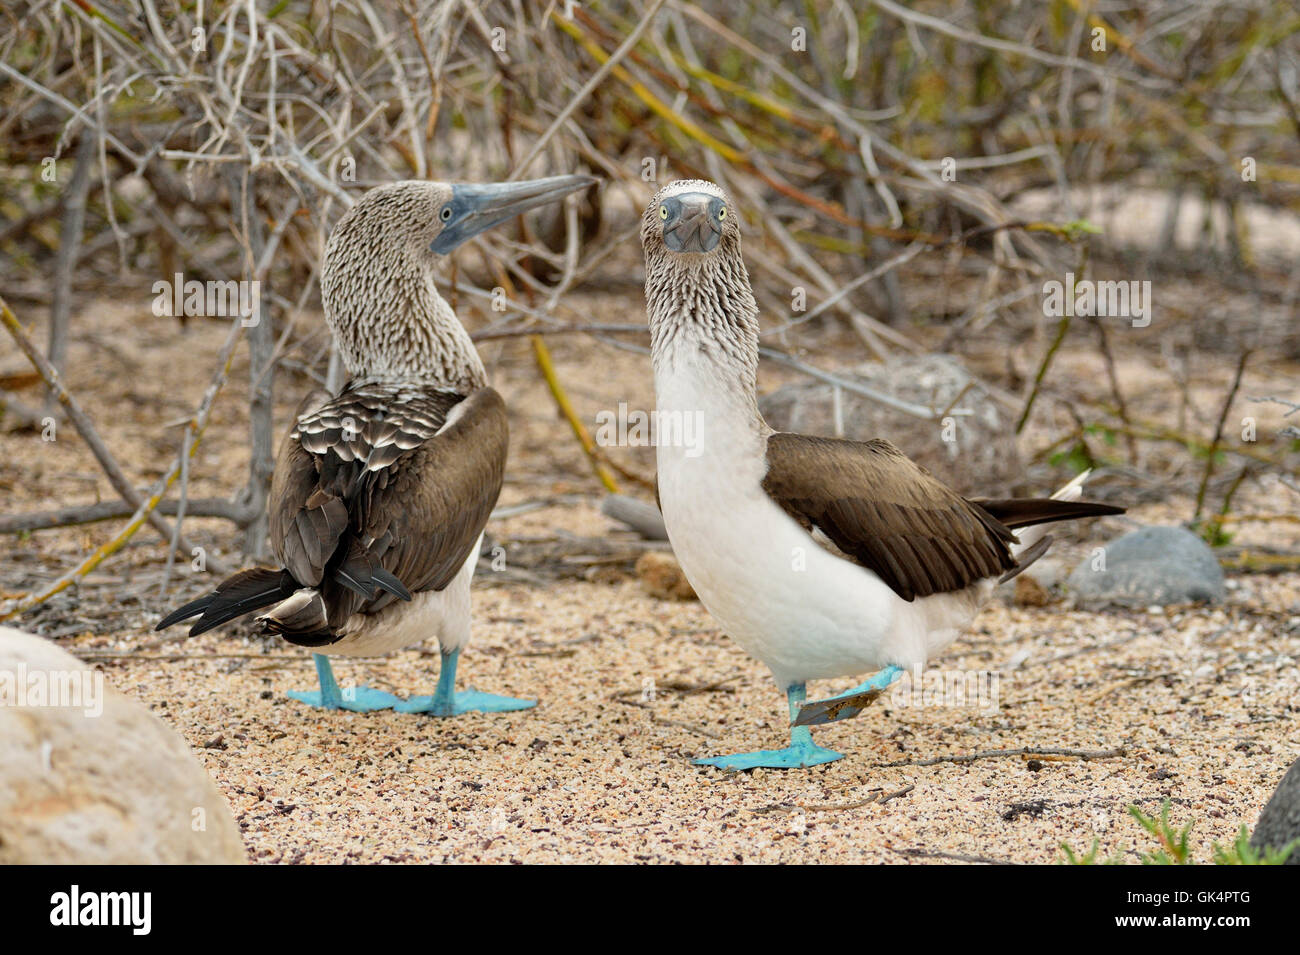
{"x":722,"y":213}
{"x":663,"y":212}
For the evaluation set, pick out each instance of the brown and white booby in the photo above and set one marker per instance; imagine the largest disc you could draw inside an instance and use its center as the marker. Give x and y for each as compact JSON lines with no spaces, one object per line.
{"x":381,"y":493}
{"x":823,"y":558}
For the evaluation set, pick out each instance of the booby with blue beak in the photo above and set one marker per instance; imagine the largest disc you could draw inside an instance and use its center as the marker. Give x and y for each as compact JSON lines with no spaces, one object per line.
{"x":380,"y":493}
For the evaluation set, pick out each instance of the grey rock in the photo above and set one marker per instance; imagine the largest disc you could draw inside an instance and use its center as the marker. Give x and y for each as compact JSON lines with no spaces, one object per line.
{"x":1153,"y":566}
{"x":1279,"y":822}
{"x":88,"y":776}
{"x":641,"y":516}
{"x":982,"y":455}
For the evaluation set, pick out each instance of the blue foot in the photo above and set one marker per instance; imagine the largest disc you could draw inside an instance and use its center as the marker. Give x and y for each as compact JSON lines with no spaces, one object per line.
{"x":447,"y":702}
{"x":465,"y":701}
{"x":802,"y":751}
{"x":848,"y":704}
{"x":794,"y":756}
{"x":357,"y":699}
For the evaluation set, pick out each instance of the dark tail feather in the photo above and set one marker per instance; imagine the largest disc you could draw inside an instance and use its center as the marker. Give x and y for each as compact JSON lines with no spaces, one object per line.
{"x":1029,"y":511}
{"x":316,"y":638}
{"x":362,"y":574}
{"x":1027,"y":557}
{"x":191,"y":609}
{"x":390,"y":583}
{"x":356,"y":580}
{"x":235,"y":596}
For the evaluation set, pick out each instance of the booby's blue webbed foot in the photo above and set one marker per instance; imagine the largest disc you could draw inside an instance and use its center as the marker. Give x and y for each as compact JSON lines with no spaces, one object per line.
{"x":447,"y":701}
{"x":464,"y":701}
{"x":848,"y":704}
{"x":801,"y":753}
{"x":356,"y":699}
{"x":797,"y":755}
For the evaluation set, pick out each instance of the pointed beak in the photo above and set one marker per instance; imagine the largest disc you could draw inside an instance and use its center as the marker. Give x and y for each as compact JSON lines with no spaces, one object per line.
{"x":477,"y":208}
{"x":692,"y":224}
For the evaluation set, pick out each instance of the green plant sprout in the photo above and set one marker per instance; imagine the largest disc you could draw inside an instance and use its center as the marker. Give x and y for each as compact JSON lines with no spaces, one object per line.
{"x":1173,"y":846}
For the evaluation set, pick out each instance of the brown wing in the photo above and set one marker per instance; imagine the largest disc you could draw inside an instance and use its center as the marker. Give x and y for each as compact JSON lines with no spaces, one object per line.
{"x":305,"y":527}
{"x":386,"y":481}
{"x":886,"y":513}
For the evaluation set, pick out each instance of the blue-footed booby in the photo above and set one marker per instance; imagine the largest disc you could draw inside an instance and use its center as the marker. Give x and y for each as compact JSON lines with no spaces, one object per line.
{"x":823,"y":558}
{"x":380,"y":493}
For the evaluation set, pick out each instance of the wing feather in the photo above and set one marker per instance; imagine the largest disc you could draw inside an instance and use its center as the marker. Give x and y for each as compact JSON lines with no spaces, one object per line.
{"x":383,"y":491}
{"x":887,"y":513}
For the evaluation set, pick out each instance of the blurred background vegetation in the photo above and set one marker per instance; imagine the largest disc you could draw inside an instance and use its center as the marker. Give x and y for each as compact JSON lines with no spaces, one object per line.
{"x":909,"y":176}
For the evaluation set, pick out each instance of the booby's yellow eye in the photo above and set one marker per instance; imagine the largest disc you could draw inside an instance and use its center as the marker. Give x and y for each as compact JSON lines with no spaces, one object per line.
{"x":663,"y":212}
{"x":722,"y":213}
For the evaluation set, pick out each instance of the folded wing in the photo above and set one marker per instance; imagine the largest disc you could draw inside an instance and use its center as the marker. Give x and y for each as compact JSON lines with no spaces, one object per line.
{"x":383,"y":492}
{"x":887,"y":513}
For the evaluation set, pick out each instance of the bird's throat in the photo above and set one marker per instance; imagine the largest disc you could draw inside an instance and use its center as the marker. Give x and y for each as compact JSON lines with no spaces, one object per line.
{"x":703,"y":322}
{"x":417,"y":338}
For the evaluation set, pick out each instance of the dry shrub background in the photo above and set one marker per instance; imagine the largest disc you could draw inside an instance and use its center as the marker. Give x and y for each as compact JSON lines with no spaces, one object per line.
{"x":910,"y":176}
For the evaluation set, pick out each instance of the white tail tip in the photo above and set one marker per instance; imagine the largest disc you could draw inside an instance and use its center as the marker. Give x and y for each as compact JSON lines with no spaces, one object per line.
{"x":1074,"y":490}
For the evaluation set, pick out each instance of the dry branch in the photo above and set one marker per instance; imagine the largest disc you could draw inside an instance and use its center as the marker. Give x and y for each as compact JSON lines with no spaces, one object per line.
{"x":1213,"y":451}
{"x":195,"y":428}
{"x":109,"y":510}
{"x":112,"y":470}
{"x":1024,"y":751}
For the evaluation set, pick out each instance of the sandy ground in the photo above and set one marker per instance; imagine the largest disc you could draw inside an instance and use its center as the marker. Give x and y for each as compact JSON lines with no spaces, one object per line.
{"x":1196,"y":705}
{"x":631,"y":688}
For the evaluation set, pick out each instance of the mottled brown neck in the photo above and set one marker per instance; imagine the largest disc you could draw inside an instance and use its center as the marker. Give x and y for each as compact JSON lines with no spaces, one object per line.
{"x":705,"y":302}
{"x":389,"y":321}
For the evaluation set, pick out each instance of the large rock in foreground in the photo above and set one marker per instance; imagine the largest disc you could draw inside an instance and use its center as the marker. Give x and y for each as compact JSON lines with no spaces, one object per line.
{"x":88,"y":776}
{"x":975,"y":454}
{"x":1279,"y":822}
{"x":1150,"y":567}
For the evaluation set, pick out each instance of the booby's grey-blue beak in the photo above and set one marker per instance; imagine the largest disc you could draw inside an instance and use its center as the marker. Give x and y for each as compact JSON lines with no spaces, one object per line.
{"x":692,"y":221}
{"x":475,"y":208}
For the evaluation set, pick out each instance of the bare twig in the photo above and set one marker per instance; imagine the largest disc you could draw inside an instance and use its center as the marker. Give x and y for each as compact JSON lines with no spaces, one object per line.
{"x":82,"y":423}
{"x":1084,"y":754}
{"x":74,"y":218}
{"x":147,"y":507}
{"x":665,"y":721}
{"x":1218,"y":433}
{"x":595,"y":80}
{"x":109,"y":510}
{"x":918,"y":853}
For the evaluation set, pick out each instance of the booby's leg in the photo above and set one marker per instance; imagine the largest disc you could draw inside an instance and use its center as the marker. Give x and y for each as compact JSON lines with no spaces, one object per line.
{"x":801,"y":752}
{"x":358,"y":699}
{"x":447,"y":702}
{"x":848,"y":704}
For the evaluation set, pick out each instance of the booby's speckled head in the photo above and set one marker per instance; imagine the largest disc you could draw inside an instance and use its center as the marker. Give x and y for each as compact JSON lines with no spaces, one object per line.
{"x":697,"y":290}
{"x":377,"y":275}
{"x":437,"y":217}
{"x":690,"y":216}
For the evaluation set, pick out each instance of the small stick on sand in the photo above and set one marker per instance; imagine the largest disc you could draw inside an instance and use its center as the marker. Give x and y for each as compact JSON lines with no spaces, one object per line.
{"x":899,"y":792}
{"x":955,"y":856}
{"x":1084,"y":754}
{"x":789,"y":807}
{"x":1131,"y":682}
